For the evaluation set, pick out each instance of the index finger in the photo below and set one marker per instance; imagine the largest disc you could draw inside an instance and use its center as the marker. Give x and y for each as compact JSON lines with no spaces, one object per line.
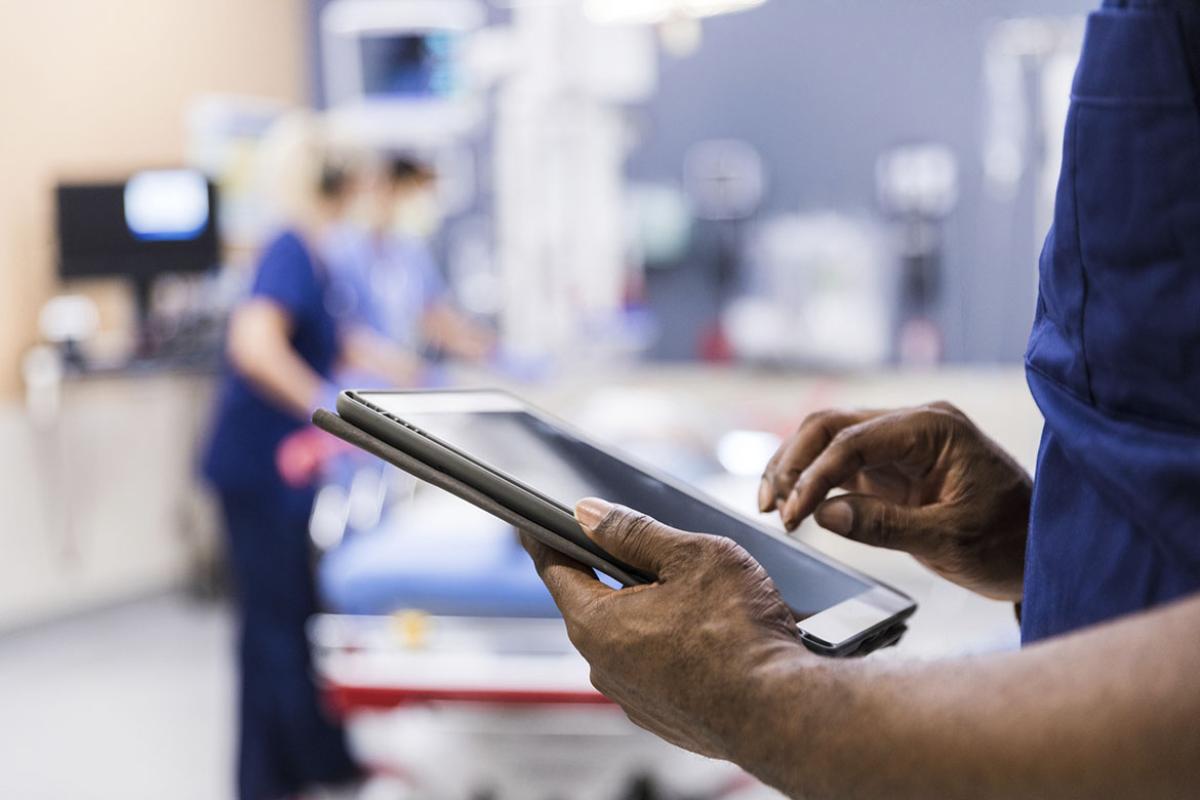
{"x":794,"y":455}
{"x":887,"y":439}
{"x":573,"y":586}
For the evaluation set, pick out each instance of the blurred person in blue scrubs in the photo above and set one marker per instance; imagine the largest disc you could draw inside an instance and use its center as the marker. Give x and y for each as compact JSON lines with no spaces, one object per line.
{"x":387,"y":276}
{"x":1100,"y":552}
{"x":284,"y":344}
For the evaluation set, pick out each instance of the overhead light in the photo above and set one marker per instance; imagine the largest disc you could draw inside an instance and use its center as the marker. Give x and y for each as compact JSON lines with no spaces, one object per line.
{"x":745,"y":452}
{"x":654,"y":12}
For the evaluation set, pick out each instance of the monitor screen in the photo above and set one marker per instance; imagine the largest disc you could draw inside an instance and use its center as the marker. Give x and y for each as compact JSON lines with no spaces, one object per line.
{"x":158,"y":221}
{"x":409,"y":66}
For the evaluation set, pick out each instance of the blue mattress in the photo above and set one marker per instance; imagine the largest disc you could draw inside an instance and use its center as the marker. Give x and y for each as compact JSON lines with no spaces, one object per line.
{"x":477,"y":570}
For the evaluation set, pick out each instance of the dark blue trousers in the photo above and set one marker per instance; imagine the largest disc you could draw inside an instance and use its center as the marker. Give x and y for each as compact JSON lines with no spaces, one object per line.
{"x":286,"y":740}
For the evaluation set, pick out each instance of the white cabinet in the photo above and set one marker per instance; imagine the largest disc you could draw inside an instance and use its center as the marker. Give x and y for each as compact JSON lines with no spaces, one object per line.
{"x":102,"y":503}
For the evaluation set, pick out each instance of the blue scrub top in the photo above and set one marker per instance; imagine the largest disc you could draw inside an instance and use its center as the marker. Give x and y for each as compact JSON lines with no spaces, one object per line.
{"x":249,"y":426}
{"x":1114,"y":357}
{"x":386,"y":284}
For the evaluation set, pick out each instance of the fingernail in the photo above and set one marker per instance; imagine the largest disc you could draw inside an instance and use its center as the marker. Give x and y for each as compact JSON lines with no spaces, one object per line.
{"x":791,"y":510}
{"x":836,"y":516}
{"x":592,"y":511}
{"x":765,"y":496}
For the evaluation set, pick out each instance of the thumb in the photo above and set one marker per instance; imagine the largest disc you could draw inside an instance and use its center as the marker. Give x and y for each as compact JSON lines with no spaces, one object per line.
{"x":867,"y":519}
{"x":632,"y":537}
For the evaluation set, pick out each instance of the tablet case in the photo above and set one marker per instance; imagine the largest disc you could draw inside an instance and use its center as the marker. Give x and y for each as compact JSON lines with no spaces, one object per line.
{"x":353,"y":435}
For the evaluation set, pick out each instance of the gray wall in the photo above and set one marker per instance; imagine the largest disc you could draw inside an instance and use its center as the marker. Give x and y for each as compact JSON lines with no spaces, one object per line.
{"x":821,"y":86}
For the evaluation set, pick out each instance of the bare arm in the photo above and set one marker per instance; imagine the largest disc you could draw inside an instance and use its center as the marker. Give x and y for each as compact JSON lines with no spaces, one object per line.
{"x":1109,"y":712}
{"x":368,"y":352}
{"x":708,"y":657}
{"x":260,"y":349}
{"x":457,"y":334}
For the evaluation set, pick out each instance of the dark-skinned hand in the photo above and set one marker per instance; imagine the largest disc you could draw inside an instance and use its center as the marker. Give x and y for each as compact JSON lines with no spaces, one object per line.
{"x":679,"y":655}
{"x":924,"y":480}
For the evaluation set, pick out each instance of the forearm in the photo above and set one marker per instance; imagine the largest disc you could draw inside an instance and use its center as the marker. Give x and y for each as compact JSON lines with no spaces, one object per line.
{"x":368,"y":352}
{"x":259,"y":349}
{"x":439,"y":325}
{"x":455,"y":334}
{"x":1112,"y":711}
{"x":286,"y":378}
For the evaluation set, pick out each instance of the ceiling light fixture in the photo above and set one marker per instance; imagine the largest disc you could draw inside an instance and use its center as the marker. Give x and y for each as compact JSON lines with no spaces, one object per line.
{"x":654,"y":12}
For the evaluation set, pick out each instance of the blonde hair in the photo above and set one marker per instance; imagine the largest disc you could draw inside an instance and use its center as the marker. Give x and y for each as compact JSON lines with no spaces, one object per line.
{"x":295,"y":159}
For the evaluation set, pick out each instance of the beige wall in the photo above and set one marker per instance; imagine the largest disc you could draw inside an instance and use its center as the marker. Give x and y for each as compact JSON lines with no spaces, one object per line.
{"x":95,"y":88}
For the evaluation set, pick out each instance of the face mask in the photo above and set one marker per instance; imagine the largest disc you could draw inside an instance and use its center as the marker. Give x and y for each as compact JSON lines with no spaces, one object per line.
{"x":417,"y":216}
{"x":362,"y":211}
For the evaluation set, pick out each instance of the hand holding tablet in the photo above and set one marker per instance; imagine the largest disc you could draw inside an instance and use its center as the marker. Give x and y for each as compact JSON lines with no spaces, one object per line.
{"x":519,"y":464}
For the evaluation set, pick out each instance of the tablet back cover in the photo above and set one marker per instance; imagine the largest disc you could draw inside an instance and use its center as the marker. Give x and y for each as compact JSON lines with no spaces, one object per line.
{"x":353,"y":435}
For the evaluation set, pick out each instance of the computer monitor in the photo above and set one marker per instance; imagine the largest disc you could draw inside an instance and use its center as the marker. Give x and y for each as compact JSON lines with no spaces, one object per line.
{"x":155,"y":223}
{"x":412,"y":66}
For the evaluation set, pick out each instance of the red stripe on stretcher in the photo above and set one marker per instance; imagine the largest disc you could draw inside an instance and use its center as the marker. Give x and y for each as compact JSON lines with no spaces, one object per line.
{"x":346,"y":699}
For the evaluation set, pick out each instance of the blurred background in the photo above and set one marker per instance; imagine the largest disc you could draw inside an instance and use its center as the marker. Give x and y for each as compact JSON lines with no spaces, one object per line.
{"x":682,"y":225}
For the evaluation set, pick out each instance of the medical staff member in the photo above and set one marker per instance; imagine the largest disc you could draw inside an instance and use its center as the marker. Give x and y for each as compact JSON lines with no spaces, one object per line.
{"x":386,"y":272}
{"x":284,"y":343}
{"x":1101,"y":553}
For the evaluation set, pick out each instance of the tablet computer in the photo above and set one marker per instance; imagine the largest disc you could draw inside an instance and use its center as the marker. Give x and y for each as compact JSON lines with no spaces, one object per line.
{"x":519,"y":463}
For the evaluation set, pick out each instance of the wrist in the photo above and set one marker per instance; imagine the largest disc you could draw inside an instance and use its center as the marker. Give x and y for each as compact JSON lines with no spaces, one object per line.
{"x":782,"y":700}
{"x":811,"y":726}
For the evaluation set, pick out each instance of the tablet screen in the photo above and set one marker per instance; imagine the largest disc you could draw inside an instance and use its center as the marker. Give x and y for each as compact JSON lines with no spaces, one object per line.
{"x":560,"y":466}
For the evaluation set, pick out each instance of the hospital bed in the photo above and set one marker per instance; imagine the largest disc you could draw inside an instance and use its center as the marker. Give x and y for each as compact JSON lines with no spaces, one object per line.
{"x":447,"y":659}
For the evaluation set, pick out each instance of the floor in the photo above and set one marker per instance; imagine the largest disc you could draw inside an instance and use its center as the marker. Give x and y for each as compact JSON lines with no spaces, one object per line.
{"x":131,"y":702}
{"x":135,"y":702}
